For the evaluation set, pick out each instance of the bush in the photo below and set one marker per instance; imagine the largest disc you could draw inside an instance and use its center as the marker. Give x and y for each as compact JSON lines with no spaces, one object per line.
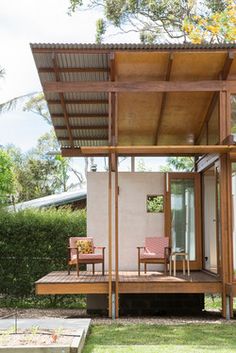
{"x":34,"y":243}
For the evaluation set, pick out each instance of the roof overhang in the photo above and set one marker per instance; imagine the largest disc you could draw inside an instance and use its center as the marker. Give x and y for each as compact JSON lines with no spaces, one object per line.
{"x":132,"y":94}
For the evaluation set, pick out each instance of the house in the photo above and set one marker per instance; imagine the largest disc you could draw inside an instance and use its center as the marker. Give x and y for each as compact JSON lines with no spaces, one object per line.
{"x":76,"y":199}
{"x":113,"y":100}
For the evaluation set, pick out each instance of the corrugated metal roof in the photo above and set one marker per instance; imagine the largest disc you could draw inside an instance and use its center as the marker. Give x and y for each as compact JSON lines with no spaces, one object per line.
{"x":133,"y":46}
{"x":86,"y":109}
{"x":52,"y":200}
{"x":81,"y":108}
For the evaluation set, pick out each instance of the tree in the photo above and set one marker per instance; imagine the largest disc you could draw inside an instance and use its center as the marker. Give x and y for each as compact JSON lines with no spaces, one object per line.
{"x":165,"y":20}
{"x":217,"y":26}
{"x":7,"y":181}
{"x":178,"y":164}
{"x":37,"y":105}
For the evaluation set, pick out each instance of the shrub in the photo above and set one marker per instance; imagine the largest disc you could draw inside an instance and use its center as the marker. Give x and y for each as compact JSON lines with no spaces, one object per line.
{"x":34,"y":243}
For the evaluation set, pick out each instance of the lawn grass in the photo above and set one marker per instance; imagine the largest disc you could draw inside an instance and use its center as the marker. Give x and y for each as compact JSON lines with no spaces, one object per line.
{"x":190,"y":338}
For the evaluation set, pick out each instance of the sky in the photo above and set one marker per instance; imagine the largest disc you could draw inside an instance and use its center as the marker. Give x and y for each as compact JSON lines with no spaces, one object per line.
{"x":21,"y":23}
{"x":30,"y":21}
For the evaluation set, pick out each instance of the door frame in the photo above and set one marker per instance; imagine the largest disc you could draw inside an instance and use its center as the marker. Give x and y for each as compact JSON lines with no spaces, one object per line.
{"x":216,"y":166}
{"x":196,"y":264}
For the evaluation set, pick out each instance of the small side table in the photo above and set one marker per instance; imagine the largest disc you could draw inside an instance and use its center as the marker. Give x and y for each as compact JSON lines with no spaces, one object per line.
{"x":185,"y":257}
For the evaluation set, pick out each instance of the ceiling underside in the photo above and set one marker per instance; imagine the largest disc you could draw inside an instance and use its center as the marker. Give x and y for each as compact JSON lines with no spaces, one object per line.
{"x":144,"y":118}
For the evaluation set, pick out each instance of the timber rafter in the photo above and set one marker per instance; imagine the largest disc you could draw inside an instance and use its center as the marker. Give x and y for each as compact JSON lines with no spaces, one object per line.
{"x":139,"y":86}
{"x":85,"y":127}
{"x":73,"y":69}
{"x":223,"y":75}
{"x":79,"y":115}
{"x":164,"y":97}
{"x":79,"y":101}
{"x":62,"y":99}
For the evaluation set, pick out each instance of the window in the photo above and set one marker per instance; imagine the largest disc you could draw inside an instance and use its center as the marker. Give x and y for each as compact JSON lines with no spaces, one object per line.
{"x":155,"y":203}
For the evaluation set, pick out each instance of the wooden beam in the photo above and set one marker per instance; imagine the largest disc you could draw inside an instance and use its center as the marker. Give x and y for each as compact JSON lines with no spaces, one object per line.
{"x":170,"y":287}
{"x":163,"y":101}
{"x":139,"y":86}
{"x":71,"y":288}
{"x":63,"y":105}
{"x":83,"y":138}
{"x":147,"y":150}
{"x":85,"y":127}
{"x":227,"y":65}
{"x":209,"y":112}
{"x":73,"y":69}
{"x":112,"y":102}
{"x":80,"y":115}
{"x":223,"y":75}
{"x":78,"y":101}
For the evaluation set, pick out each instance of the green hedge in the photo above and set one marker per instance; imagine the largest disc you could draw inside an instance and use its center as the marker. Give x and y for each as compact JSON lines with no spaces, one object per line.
{"x":34,"y":243}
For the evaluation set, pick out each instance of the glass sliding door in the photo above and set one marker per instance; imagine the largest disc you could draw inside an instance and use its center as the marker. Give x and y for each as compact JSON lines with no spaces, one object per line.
{"x":184,"y":228}
{"x":234,"y":216}
{"x":210,"y":220}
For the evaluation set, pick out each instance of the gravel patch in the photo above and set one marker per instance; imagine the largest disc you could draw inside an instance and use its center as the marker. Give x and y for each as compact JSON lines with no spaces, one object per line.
{"x":206,"y":318}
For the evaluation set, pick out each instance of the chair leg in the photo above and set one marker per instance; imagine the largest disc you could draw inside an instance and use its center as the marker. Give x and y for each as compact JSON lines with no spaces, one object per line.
{"x":103,"y":268}
{"x":93,"y":269}
{"x":145,"y":268}
{"x":68,"y":269}
{"x":165,"y":267}
{"x":138,"y":268}
{"x":77,"y":268}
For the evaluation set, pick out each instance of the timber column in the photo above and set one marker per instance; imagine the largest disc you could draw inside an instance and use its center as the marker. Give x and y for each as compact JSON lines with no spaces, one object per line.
{"x":113,"y":200}
{"x":225,"y":208}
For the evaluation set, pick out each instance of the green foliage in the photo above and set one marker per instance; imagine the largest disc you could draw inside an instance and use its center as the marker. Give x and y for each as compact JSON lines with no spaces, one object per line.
{"x":37,"y":105}
{"x":178,"y":164}
{"x":39,"y":173}
{"x":100,"y":30}
{"x":7,"y":182}
{"x":44,"y":302}
{"x":153,"y":338}
{"x":154,"y":20}
{"x":34,"y":243}
{"x":155,"y":203}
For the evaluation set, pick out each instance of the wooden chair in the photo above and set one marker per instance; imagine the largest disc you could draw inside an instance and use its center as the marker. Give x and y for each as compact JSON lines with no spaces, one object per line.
{"x":155,"y":251}
{"x":77,"y":258}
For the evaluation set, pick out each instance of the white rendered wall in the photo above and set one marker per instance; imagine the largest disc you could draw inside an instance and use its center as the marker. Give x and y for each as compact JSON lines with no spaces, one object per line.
{"x":134,"y":221}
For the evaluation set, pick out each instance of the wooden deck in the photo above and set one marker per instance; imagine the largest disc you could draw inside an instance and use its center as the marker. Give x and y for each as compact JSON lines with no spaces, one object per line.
{"x":129,"y":282}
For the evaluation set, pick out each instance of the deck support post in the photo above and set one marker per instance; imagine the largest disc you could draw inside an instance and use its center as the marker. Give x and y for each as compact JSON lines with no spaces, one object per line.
{"x":113,"y":306}
{"x":227,"y":316}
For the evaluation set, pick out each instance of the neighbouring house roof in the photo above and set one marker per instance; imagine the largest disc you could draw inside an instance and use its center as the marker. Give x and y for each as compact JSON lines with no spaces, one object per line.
{"x":63,"y":198}
{"x":81,"y":118}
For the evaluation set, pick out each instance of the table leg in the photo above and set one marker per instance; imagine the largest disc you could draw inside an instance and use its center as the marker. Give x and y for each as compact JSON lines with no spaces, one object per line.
{"x":188,"y":265}
{"x":170,"y":262}
{"x":174,"y":259}
{"x":184,"y":259}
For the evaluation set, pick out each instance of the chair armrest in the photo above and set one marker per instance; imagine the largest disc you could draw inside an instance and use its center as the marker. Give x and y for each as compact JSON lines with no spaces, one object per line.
{"x":141,"y":247}
{"x":99,"y":247}
{"x":69,"y":248}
